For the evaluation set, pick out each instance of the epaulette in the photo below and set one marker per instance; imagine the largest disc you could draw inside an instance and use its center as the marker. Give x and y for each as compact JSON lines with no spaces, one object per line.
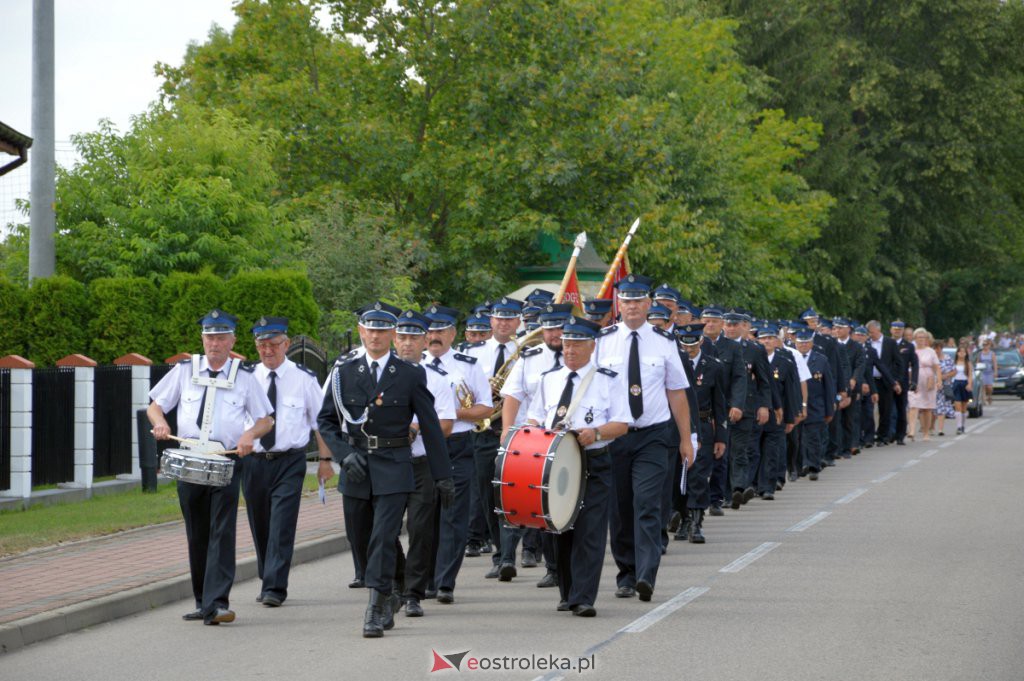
{"x":187,"y":360}
{"x":436,"y":368}
{"x":551,"y":370}
{"x":247,"y":367}
{"x":465,"y":358}
{"x":474,"y":344}
{"x":607,"y":330}
{"x":663,"y":333}
{"x":607,"y":372}
{"x":350,"y":355}
{"x":532,"y":352}
{"x":307,"y":370}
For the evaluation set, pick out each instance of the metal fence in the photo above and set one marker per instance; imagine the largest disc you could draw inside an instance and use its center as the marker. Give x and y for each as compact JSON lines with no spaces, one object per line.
{"x":112,"y":428}
{"x":53,"y":426}
{"x":306,"y":352}
{"x":5,"y":429}
{"x":156,"y":372}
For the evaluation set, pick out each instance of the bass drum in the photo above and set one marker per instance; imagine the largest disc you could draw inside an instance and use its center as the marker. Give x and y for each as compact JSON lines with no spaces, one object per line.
{"x":541,"y":479}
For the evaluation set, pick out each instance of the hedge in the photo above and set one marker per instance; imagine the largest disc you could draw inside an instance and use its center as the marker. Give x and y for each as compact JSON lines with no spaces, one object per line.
{"x":283,"y":293}
{"x":13,"y":300}
{"x":184,"y":298}
{"x":57,"y":319}
{"x":124,"y":314}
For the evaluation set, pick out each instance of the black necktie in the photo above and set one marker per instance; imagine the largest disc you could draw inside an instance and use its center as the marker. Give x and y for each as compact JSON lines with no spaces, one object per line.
{"x":270,"y":438}
{"x":558,"y":359}
{"x":500,"y":361}
{"x":636,"y":397}
{"x":373,"y":374}
{"x":202,"y":402}
{"x":564,"y":400}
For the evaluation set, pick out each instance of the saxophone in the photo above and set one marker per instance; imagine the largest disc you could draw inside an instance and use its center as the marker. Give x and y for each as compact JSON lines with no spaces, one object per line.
{"x":497,"y":381}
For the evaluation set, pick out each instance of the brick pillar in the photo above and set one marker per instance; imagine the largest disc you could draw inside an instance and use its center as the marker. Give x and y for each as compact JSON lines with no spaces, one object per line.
{"x":20,"y":425}
{"x":85,"y":416}
{"x":140,"y":399}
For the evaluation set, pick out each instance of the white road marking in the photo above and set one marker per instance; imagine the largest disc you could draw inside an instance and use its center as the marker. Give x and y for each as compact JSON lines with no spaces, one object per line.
{"x":748,"y":558}
{"x":665,"y":609}
{"x":887,"y":476}
{"x":852,"y":495}
{"x":947,"y":444}
{"x":808,"y":522}
{"x":930,"y":452}
{"x":912,"y":462}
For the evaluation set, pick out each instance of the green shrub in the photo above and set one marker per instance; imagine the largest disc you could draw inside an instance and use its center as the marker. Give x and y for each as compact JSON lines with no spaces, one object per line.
{"x":284,"y":293}
{"x":184,"y":298}
{"x":13,"y":299}
{"x":56,"y":317}
{"x":124,"y":316}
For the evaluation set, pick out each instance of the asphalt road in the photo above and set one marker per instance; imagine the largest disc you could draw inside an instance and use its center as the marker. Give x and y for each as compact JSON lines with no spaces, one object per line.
{"x":905,"y":563}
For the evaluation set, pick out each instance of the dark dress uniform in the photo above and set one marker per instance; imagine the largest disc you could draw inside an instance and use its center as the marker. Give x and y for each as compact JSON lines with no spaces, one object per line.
{"x":376,"y":503}
{"x":713,"y":421}
{"x":772,"y":464}
{"x":821,"y":401}
{"x":885,"y":382}
{"x":905,"y":365}
{"x":850,"y":416}
{"x":745,"y":433}
{"x":734,"y":386}
{"x":839,"y":365}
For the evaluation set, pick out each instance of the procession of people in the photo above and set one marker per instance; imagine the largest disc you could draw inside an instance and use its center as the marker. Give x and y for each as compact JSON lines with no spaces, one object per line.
{"x":547,"y":435}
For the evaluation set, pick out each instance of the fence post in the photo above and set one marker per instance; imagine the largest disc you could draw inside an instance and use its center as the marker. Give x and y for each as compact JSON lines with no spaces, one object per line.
{"x":21,"y":425}
{"x":85,"y":416}
{"x":140,"y":399}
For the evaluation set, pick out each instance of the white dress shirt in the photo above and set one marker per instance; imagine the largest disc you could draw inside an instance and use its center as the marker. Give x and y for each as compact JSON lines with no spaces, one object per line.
{"x":661,"y":368}
{"x":444,"y":403}
{"x":298,"y":403}
{"x":230,"y":407}
{"x":487,"y":354}
{"x":802,"y":371}
{"x":524,"y":378}
{"x":877,"y":345}
{"x":460,"y":371}
{"x":602,"y":402}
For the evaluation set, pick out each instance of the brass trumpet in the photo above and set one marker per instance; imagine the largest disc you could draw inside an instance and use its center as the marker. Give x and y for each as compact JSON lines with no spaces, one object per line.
{"x":497,"y":381}
{"x":464,"y":395}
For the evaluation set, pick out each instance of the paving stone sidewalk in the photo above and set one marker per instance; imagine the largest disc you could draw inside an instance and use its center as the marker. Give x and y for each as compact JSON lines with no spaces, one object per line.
{"x":75,"y":575}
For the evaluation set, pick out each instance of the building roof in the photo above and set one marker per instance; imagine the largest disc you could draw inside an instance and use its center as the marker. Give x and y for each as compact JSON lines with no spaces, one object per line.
{"x":15,"y":144}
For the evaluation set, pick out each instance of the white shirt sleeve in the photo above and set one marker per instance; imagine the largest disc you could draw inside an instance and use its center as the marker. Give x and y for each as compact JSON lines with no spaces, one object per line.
{"x":167,"y":392}
{"x":479,"y":384}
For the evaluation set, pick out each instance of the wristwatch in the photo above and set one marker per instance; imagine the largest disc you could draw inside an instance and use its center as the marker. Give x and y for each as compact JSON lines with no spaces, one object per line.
{"x":597,"y":434}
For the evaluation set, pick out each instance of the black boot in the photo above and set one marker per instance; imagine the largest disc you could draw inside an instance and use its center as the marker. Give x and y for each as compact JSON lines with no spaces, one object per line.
{"x":683,"y":533}
{"x":696,"y":536}
{"x":392,"y":604}
{"x":373,"y":619}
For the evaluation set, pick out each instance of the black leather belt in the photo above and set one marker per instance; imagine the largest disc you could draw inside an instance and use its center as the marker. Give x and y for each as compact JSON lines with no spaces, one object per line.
{"x":635,"y":429}
{"x":270,"y":456}
{"x":374,"y":442}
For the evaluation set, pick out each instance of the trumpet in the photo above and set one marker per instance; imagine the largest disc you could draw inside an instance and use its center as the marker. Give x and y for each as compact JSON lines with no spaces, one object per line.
{"x":497,"y":381}
{"x":464,"y":395}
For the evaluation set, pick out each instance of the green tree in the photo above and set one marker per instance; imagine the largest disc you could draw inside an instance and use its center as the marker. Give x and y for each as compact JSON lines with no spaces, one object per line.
{"x":56,"y":319}
{"x":123,"y":312}
{"x":184,"y":298}
{"x":13,"y":299}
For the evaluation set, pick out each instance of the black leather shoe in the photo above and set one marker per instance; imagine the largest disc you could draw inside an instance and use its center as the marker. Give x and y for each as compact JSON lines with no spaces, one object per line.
{"x":644,"y":590}
{"x":413,"y":608}
{"x":584,"y":610}
{"x":392,"y":604}
{"x":674,"y":521}
{"x":220,"y":616}
{"x":193,"y":616}
{"x":528,"y":560}
{"x":737,"y":499}
{"x":272,"y":600}
{"x":768,"y":496}
{"x":563,"y":606}
{"x":357,"y":583}
{"x":549,"y":580}
{"x":869,"y":445}
{"x":430,"y":593}
{"x":748,"y":494}
{"x":829,"y":463}
{"x":901,"y":443}
{"x":445,"y":596}
{"x":373,"y":618}
{"x":259,"y":599}
{"x":716,"y":509}
{"x":812,"y":476}
{"x":793,"y":477}
{"x":487,"y":548}
{"x":472,"y":551}
{"x":493,"y":572}
{"x":506,"y":572}
{"x":779,"y":484}
{"x":625,"y":592}
{"x":696,"y":536}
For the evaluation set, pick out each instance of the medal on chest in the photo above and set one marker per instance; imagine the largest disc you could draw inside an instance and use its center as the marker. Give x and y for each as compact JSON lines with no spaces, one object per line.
{"x":776,"y":374}
{"x":700,"y":379}
{"x":817,"y":375}
{"x":635,"y":390}
{"x":589,"y":418}
{"x":380,"y":399}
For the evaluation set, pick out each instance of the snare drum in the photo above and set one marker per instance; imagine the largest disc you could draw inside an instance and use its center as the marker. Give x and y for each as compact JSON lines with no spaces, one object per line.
{"x":541,"y":479}
{"x":198,"y":468}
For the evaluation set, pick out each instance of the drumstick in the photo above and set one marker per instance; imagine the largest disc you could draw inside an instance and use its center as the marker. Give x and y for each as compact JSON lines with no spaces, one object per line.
{"x":193,"y":441}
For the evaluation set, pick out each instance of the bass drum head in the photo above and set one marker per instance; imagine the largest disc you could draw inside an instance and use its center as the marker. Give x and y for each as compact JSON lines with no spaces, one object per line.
{"x":564,"y":481}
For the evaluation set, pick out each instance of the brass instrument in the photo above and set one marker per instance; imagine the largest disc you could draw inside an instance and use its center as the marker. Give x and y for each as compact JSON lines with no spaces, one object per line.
{"x":464,"y":395}
{"x":497,"y":381}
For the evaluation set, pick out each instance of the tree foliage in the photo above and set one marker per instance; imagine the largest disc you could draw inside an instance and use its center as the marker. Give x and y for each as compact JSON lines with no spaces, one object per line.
{"x":56,"y":319}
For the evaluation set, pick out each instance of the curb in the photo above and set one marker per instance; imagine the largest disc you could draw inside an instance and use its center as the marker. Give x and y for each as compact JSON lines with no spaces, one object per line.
{"x":18,"y":634}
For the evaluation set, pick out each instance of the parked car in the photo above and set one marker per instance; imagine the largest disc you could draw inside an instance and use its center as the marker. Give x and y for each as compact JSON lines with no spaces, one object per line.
{"x":1009,"y":378}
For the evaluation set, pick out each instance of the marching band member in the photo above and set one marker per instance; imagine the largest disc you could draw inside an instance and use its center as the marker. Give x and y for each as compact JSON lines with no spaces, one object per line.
{"x":215,"y":405}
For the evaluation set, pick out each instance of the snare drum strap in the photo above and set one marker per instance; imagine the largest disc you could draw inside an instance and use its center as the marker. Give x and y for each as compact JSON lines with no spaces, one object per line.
{"x":206,"y":427}
{"x":578,"y":395}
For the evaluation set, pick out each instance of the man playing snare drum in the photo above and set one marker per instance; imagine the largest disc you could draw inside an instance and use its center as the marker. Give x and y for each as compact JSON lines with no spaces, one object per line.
{"x":583,"y":398}
{"x":210,"y":512}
